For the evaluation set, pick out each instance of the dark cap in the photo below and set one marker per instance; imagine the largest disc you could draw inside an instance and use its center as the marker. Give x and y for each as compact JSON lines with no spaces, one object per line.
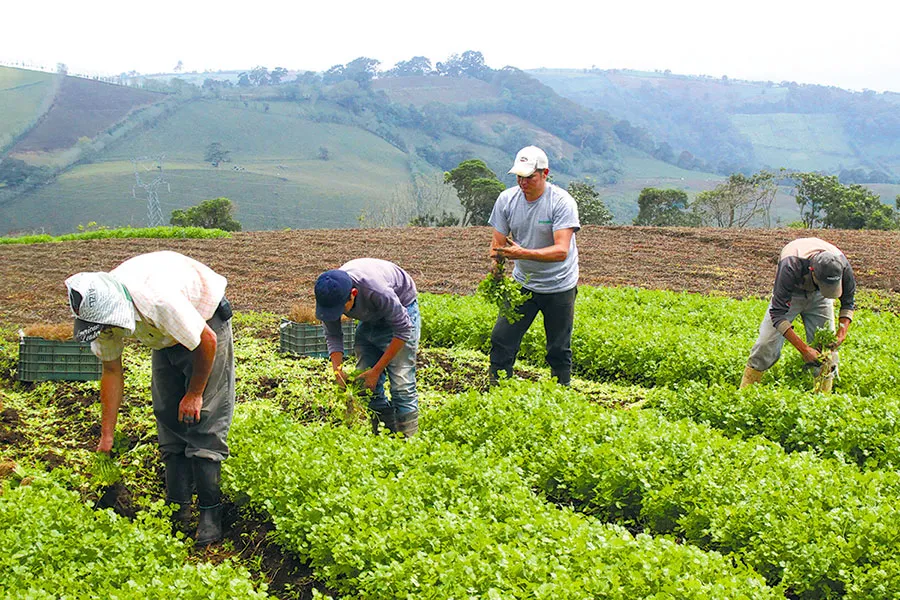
{"x":829,"y":272}
{"x":332,"y":293}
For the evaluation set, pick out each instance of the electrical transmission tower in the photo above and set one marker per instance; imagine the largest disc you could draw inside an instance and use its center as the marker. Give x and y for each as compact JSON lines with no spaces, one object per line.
{"x":154,"y":214}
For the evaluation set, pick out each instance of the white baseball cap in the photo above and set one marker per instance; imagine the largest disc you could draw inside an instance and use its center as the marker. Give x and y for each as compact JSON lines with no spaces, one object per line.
{"x":528,"y":160}
{"x":98,"y":299}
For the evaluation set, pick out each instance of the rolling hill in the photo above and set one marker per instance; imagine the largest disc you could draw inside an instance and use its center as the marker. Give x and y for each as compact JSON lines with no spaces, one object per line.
{"x":351,"y":153}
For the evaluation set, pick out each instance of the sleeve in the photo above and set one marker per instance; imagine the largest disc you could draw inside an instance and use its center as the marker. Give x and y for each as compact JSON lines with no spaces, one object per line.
{"x":178,"y":318}
{"x":498,"y":219}
{"x":334,"y":336}
{"x":109,"y":345}
{"x":785,"y":277}
{"x":388,"y":304}
{"x":848,"y":293}
{"x":565,"y":214}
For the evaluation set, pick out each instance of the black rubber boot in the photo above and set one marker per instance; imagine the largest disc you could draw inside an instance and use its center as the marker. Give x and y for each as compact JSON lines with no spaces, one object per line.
{"x":408,"y":424}
{"x":563,"y":377}
{"x":180,"y":490}
{"x":207,"y":474}
{"x":384,"y":418}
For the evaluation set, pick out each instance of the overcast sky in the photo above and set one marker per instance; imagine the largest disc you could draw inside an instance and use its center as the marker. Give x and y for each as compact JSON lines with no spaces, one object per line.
{"x":854,"y":45}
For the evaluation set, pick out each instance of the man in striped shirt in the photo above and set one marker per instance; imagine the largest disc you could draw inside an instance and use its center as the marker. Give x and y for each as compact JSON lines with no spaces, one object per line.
{"x":811,"y":274}
{"x":176,"y":306}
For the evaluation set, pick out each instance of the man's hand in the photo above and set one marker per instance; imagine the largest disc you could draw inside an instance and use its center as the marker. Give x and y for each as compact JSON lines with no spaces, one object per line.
{"x":189,"y":409}
{"x":369,"y":378}
{"x":340,"y":378}
{"x":511,"y":251}
{"x":105,"y":444}
{"x":810,"y":354}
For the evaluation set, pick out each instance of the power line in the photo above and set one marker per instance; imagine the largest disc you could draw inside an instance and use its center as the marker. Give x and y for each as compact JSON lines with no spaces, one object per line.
{"x":154,"y":213}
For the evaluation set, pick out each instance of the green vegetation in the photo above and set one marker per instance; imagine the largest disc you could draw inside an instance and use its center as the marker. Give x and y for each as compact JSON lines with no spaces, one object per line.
{"x":209,"y":214}
{"x":122,"y":232}
{"x":54,"y":546}
{"x":24,"y":96}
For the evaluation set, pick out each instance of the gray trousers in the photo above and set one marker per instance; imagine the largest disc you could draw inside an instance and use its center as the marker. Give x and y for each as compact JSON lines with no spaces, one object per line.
{"x":814,"y":309}
{"x":172,"y":370}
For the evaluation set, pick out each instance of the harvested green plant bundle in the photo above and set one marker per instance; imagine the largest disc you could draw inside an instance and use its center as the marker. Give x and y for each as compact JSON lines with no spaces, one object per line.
{"x":504,"y":291}
{"x":824,"y":341}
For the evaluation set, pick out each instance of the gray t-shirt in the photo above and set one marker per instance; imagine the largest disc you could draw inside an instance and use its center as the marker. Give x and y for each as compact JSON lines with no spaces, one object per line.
{"x":532,"y":225}
{"x":384,"y":292}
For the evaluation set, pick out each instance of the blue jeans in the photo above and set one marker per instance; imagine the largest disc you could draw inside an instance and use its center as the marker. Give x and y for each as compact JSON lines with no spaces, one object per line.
{"x":815,"y":310}
{"x":372,"y":339}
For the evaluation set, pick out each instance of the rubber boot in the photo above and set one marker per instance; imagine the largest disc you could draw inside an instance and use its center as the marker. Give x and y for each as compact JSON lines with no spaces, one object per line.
{"x":563,"y":376}
{"x":207,"y":474}
{"x":750,"y":377}
{"x":180,"y":490}
{"x":408,"y":424}
{"x":384,"y":418}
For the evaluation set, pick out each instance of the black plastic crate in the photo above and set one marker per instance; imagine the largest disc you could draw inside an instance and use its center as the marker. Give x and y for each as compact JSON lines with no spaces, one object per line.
{"x":306,"y":339}
{"x":50,"y":360}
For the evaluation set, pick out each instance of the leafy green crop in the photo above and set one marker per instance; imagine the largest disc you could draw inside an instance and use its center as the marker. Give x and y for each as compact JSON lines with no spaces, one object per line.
{"x":506,"y":293}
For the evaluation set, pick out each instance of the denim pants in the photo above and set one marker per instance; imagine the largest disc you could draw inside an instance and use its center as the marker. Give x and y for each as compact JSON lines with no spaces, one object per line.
{"x":171,"y":372}
{"x":559,"y":316}
{"x":372,"y":339}
{"x":814,"y":309}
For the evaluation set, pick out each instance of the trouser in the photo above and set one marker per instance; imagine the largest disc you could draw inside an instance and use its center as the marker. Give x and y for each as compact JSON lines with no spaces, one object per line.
{"x":372,"y":339}
{"x":171,"y":372}
{"x":558,"y":310}
{"x":815,"y":310}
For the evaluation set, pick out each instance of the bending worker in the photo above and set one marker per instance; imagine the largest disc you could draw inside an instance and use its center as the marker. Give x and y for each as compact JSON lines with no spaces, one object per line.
{"x":383,"y":298}
{"x":811,"y":274}
{"x":177,"y":307}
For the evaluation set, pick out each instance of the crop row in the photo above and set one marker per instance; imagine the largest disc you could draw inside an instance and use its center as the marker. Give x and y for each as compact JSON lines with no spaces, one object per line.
{"x":660,"y":338}
{"x":54,"y":546}
{"x":819,"y":528}
{"x":378,"y":517}
{"x":863,"y":430}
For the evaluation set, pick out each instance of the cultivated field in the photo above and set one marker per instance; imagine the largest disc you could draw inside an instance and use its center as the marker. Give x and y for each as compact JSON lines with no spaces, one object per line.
{"x":271,"y":271}
{"x":696,"y":490}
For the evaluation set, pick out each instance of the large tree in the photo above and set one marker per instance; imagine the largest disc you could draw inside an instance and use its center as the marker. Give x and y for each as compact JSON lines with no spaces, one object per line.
{"x":215,"y":154}
{"x":739,"y":202}
{"x":209,"y":214}
{"x":664,"y":207}
{"x":591,"y":209}
{"x":477,"y":187}
{"x":825,"y":202}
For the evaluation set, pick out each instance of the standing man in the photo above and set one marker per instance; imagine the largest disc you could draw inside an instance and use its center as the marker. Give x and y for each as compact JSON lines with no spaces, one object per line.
{"x":383,"y":298}
{"x":541,"y":218}
{"x":811,"y":274}
{"x":177,"y":307}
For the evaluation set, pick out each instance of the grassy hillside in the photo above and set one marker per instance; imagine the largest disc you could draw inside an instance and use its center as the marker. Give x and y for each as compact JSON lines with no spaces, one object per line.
{"x":803,"y":142}
{"x":276,"y":178}
{"x":24,"y":96}
{"x":82,"y":108}
{"x":762,"y":124}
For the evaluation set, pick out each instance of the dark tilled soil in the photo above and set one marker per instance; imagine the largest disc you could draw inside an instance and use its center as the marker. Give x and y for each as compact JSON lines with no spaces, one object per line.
{"x":273,"y":271}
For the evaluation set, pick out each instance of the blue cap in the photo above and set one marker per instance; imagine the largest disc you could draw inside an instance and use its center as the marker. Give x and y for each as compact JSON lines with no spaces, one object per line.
{"x":332,"y":293}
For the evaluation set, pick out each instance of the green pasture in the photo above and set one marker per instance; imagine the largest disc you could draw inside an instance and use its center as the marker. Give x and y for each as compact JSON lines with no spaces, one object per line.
{"x":275,"y":178}
{"x":23,"y":97}
{"x":796,"y":141}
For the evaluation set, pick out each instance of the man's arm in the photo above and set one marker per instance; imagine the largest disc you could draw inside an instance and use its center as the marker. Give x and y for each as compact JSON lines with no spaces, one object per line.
{"x":112,"y":383}
{"x":558,"y":252}
{"x":204,"y":356}
{"x":370,"y":377}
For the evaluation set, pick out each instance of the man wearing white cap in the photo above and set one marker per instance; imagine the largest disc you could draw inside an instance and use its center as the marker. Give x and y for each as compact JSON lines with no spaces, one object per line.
{"x":541,"y":218}
{"x":177,"y":307}
{"x":811,"y":274}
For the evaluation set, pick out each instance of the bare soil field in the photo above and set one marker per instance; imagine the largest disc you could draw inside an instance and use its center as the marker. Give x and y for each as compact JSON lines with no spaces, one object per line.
{"x":275,"y":270}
